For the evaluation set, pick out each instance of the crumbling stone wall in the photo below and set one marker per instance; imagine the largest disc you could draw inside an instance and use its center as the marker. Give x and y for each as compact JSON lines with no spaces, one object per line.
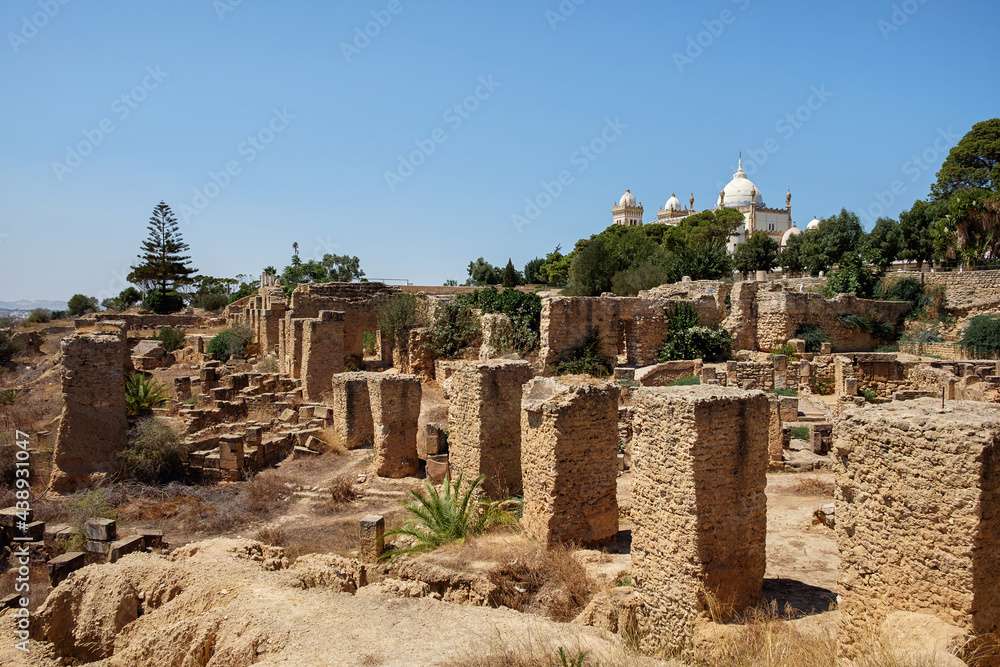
{"x":395,"y":404}
{"x":661,"y":375}
{"x":352,"y":410}
{"x":765,"y":315}
{"x":750,"y":374}
{"x":918,"y":514}
{"x":484,"y":416}
{"x":699,"y":463}
{"x":322,"y":352}
{"x":358,"y":301}
{"x":694,"y":290}
{"x":966,"y":292}
{"x":628,"y":327}
{"x":569,"y":459}
{"x":93,"y":424}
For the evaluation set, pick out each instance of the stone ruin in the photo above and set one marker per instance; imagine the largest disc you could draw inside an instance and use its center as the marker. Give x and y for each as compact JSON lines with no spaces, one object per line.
{"x":698,"y":507}
{"x":93,"y":422}
{"x":395,"y":404}
{"x":918,"y":515}
{"x":569,"y":459}
{"x":484,"y":416}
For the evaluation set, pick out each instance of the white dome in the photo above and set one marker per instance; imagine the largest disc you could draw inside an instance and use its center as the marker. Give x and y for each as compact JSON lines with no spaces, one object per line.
{"x":627,"y":199}
{"x":787,"y":236}
{"x":813,"y":224}
{"x":740,"y":190}
{"x":673,"y":204}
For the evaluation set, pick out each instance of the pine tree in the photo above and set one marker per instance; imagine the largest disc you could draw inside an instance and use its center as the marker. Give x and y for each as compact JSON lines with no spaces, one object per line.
{"x":163,"y":266}
{"x":509,"y":275}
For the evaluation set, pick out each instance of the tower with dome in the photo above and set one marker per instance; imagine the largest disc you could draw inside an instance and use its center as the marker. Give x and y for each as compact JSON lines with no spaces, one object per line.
{"x":740,"y":193}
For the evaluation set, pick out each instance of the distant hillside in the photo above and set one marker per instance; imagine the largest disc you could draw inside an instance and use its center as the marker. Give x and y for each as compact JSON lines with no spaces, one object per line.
{"x":24,"y":304}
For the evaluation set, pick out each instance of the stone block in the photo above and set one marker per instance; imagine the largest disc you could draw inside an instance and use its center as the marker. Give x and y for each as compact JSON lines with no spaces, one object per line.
{"x":484,"y":416}
{"x":124,"y":547}
{"x":789,"y":407}
{"x":151,"y":539}
{"x":395,"y":406}
{"x":918,"y":515}
{"x":569,"y":459}
{"x":699,"y":512}
{"x":105,"y":530}
{"x":372,"y":540}
{"x":821,"y":438}
{"x":351,"y":410}
{"x":62,"y":566}
{"x":11,"y":516}
{"x":437,"y":467}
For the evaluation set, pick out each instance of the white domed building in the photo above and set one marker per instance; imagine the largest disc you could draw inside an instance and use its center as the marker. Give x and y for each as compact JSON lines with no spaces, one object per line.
{"x":787,"y":236}
{"x":627,"y":212}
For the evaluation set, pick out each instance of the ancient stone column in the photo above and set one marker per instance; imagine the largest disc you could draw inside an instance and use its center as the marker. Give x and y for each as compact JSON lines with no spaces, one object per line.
{"x":351,"y":410}
{"x":484,"y":417}
{"x":699,"y":463}
{"x":322,"y":353}
{"x":569,"y":459}
{"x":93,"y":423}
{"x":918,"y":515}
{"x":395,"y":401}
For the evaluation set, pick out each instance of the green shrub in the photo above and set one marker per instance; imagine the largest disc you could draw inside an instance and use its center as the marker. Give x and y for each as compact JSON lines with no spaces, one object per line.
{"x":353,"y":363}
{"x":8,"y":347}
{"x":143,"y":393}
{"x":153,"y":453}
{"x":368,"y":342}
{"x":40,"y":316}
{"x":686,"y":381}
{"x":687,"y":339}
{"x":800,"y":432}
{"x":523,"y":310}
{"x":455,"y":329}
{"x":92,"y":504}
{"x":230,"y":343}
{"x":396,"y":317}
{"x":982,"y":337}
{"x":213,"y":302}
{"x":785,"y":392}
{"x":813,"y":336}
{"x":871,"y":323}
{"x":268,"y":365}
{"x":164,"y":302}
{"x":585,"y":360}
{"x":80,"y":304}
{"x":449,"y":515}
{"x":786,"y":350}
{"x":173,"y":338}
{"x":869,"y":395}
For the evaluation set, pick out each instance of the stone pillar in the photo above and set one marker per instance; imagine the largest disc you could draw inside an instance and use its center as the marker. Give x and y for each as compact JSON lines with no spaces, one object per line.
{"x":231,"y":457}
{"x":569,"y":459}
{"x":395,"y":401}
{"x":484,"y":416}
{"x":351,"y":410}
{"x":372,"y":540}
{"x":93,"y":423}
{"x":918,"y":515}
{"x":296,"y":326}
{"x":322,"y":353}
{"x":699,"y":512}
{"x":775,"y":437}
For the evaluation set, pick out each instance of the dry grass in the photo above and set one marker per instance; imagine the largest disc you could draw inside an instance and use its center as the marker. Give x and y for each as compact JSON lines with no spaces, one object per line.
{"x":536,"y":651}
{"x":273,"y":535}
{"x":264,"y":491}
{"x":765,"y":640}
{"x":342,"y":491}
{"x":332,"y":440}
{"x":339,"y":538}
{"x":812,"y":486}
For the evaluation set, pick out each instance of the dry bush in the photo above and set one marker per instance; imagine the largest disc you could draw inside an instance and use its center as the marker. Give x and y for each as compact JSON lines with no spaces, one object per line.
{"x":528,"y":651}
{"x":813,"y":486}
{"x":273,"y":535}
{"x":765,"y":640}
{"x":340,"y":538}
{"x":333,"y":440}
{"x":264,"y":491}
{"x":342,"y":490}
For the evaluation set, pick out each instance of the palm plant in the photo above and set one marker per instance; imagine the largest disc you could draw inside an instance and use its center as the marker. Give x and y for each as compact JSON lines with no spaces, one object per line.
{"x":449,"y":515}
{"x":143,"y":393}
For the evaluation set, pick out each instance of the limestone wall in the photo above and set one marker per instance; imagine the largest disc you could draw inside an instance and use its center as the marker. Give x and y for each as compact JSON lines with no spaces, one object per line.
{"x":358,"y":301}
{"x":322,"y":353}
{"x":395,"y":405}
{"x":569,"y":459}
{"x":699,"y":462}
{"x":93,"y":424}
{"x":484,"y":416}
{"x":693,"y":290}
{"x":765,"y":316}
{"x":968,"y":292}
{"x":918,"y":514}
{"x":632,"y":329}
{"x":352,"y":411}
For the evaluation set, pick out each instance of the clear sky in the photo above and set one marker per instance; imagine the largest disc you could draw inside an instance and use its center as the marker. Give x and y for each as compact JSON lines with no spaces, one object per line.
{"x":266,"y":123}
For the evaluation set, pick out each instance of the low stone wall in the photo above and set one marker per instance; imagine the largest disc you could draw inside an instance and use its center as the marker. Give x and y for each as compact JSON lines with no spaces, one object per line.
{"x":135,"y":321}
{"x":967,"y":292}
{"x":699,"y":465}
{"x":569,"y":459}
{"x":661,"y":375}
{"x":948,"y":351}
{"x":918,"y":515}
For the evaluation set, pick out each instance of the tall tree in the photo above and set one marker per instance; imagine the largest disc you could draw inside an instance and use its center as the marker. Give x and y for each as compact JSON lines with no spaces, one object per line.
{"x":883,"y":244}
{"x":163,"y":265}
{"x":758,"y":253}
{"x":509,"y":275}
{"x":973,"y":163}
{"x":916,"y":231}
{"x":342,"y":268}
{"x":791,"y":259}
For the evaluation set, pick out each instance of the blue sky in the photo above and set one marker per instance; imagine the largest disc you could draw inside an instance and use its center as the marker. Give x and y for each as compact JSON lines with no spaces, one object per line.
{"x":264,"y":124}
